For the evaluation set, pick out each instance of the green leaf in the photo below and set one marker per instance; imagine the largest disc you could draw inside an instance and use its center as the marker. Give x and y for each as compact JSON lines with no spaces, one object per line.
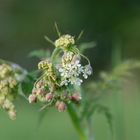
{"x":40,"y":54}
{"x":84,"y":46}
{"x":28,"y":83}
{"x":104,"y":110}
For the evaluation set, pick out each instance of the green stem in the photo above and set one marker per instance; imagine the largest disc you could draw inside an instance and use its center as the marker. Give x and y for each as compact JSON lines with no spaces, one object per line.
{"x":76,"y":122}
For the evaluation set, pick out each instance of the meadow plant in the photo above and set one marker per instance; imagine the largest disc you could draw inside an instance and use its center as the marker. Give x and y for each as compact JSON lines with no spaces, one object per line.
{"x":60,"y":74}
{"x":59,"y":83}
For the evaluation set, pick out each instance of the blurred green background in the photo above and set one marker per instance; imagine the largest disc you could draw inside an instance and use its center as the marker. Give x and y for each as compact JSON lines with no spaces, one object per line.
{"x":111,"y":24}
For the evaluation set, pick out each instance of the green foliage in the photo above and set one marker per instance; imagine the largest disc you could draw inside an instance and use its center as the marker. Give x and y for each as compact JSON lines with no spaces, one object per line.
{"x":40,"y":54}
{"x":82,"y":113}
{"x":85,"y":46}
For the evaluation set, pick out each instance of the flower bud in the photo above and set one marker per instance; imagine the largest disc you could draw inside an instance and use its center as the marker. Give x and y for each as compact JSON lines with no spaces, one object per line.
{"x":34,"y":91}
{"x":40,"y":84}
{"x":57,"y":103}
{"x":76,"y":97}
{"x":40,"y":91}
{"x":32,"y":98}
{"x":44,"y":64}
{"x":64,"y":41}
{"x":12,"y":114}
{"x":61,"y":106}
{"x":49,"y":96}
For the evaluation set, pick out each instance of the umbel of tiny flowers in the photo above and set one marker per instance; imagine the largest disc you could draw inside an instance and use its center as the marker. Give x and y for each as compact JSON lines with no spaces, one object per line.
{"x":60,"y":74}
{"x":9,"y":79}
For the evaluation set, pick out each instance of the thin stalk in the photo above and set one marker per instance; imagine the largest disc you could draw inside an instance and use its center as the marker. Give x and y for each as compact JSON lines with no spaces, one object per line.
{"x":76,"y":122}
{"x":57,"y":29}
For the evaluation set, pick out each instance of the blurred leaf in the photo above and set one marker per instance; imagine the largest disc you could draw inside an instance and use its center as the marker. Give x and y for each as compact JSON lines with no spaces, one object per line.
{"x":28,"y":82}
{"x":40,"y":54}
{"x":84,"y":46}
{"x":104,"y":110}
{"x":113,"y":80}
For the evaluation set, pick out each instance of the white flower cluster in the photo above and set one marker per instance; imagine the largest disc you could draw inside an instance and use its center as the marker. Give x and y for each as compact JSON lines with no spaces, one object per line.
{"x":64,"y":41}
{"x":71,"y":69}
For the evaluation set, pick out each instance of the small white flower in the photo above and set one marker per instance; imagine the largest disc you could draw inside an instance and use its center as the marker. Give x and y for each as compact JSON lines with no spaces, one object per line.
{"x":87,"y":71}
{"x":70,"y":69}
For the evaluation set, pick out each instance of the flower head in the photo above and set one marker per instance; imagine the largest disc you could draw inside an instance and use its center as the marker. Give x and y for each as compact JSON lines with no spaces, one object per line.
{"x":64,"y":41}
{"x":61,"y":74}
{"x":71,"y":69}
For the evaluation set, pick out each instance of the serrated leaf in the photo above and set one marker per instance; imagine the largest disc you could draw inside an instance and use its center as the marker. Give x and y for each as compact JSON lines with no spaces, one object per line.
{"x":104,"y":110}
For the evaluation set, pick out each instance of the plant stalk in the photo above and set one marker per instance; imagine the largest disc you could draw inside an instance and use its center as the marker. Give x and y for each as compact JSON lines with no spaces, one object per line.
{"x":76,"y":122}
